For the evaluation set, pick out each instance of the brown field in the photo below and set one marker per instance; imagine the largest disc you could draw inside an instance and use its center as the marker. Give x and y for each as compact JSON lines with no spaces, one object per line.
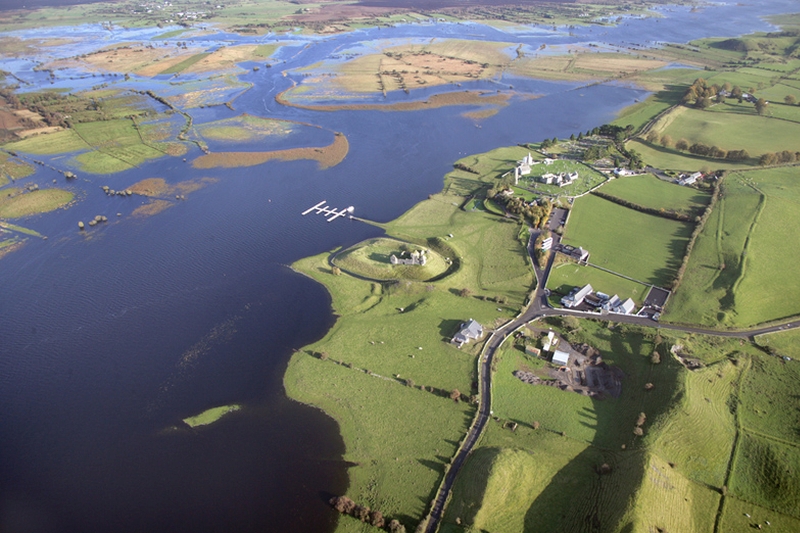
{"x":582,"y":66}
{"x":226,"y":59}
{"x":147,"y":60}
{"x":142,"y":60}
{"x":435,"y":101}
{"x":153,"y":207}
{"x":155,"y":187}
{"x":37,"y":131}
{"x":481,"y":114}
{"x":409,"y":66}
{"x":326,"y":156}
{"x":615,"y":63}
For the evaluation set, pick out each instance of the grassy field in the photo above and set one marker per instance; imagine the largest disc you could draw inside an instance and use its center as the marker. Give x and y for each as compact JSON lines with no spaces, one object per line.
{"x":698,"y":434}
{"x":769,"y":403}
{"x":587,"y":177}
{"x":33,"y":203}
{"x":568,"y":275}
{"x":735,"y":518}
{"x":244,"y":128}
{"x":648,"y":191}
{"x":368,"y":393}
{"x":731,"y":127}
{"x":542,"y":480}
{"x":669,"y":501}
{"x":107,"y":146}
{"x":492,"y":261}
{"x":782,"y":343}
{"x":644,"y":247}
{"x":766,"y":472}
{"x":209,"y":416}
{"x":670,"y":159}
{"x":371,"y":259}
{"x":606,"y":423}
{"x":741,"y":272}
{"x":59,"y":142}
{"x":13,"y":167}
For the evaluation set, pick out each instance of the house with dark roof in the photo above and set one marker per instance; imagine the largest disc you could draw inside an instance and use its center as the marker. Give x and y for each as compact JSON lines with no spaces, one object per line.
{"x":469,"y":330}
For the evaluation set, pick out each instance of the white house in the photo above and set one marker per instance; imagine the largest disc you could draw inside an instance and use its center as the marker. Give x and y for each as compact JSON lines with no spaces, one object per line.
{"x":560,"y":357}
{"x":576,"y":297}
{"x":470,"y":330}
{"x":689,"y":179}
{"x":626,"y":307}
{"x":549,"y":341}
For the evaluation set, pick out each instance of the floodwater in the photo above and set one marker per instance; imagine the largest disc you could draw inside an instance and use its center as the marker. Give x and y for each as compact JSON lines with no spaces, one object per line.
{"x":108,"y":339}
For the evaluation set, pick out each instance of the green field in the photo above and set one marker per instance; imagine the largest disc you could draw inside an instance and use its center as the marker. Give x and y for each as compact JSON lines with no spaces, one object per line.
{"x":782,"y":343}
{"x":209,"y":416}
{"x":33,"y":203}
{"x":587,"y":177}
{"x":107,"y":146}
{"x":568,"y":275}
{"x":670,"y":159}
{"x":769,"y":403}
{"x":186,"y":63}
{"x":766,"y":472}
{"x":644,"y":247}
{"x":540,"y":480}
{"x":649,"y":191}
{"x":244,"y":128}
{"x":388,"y":334}
{"x":727,"y":127}
{"x":741,"y":271}
{"x":371,"y":259}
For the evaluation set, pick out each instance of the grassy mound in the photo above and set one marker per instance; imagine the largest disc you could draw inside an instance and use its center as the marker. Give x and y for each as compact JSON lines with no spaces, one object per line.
{"x":371,"y":259}
{"x":33,"y":203}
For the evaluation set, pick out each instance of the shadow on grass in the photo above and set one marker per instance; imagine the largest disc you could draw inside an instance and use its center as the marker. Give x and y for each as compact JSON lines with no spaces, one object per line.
{"x":448,"y":328}
{"x":581,"y":496}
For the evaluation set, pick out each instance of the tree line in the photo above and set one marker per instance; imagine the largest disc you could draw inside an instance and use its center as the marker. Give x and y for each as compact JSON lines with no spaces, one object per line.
{"x":696,"y":233}
{"x":375,"y":518}
{"x":663,"y":213}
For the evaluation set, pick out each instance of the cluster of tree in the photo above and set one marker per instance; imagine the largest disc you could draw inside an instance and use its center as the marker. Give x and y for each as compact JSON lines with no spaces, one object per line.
{"x":595,"y":152}
{"x":345,"y":505}
{"x":699,"y":148}
{"x":536,"y":213}
{"x":778,"y":158}
{"x":465,"y":168}
{"x":701,"y":222}
{"x":664,"y":213}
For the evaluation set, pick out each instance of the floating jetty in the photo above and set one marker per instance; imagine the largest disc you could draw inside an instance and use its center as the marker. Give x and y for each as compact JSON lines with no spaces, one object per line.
{"x":331,"y":212}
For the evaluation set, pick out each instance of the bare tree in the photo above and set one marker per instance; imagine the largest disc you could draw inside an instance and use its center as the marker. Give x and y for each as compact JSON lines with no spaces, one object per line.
{"x":455,"y":395}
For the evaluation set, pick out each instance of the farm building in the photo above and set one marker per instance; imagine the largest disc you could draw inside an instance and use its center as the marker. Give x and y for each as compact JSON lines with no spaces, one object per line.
{"x":576,"y":296}
{"x":549,"y":341}
{"x":532,"y":350}
{"x":560,"y":357}
{"x":689,"y":179}
{"x":470,"y":330}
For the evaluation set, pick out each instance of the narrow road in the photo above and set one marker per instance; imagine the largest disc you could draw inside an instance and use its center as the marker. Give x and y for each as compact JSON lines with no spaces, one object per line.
{"x":539,"y":307}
